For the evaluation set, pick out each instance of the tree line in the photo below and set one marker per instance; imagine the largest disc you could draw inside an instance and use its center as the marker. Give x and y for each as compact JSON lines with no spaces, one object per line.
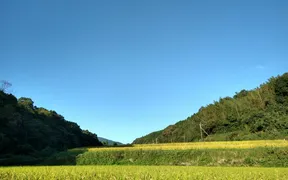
{"x":29,"y":133}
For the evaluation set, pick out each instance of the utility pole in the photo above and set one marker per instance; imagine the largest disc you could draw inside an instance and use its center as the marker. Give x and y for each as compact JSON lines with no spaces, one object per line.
{"x":201,"y":131}
{"x":184,"y":138}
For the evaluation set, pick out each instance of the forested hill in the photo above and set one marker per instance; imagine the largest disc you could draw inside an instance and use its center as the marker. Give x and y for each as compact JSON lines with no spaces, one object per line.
{"x":28,"y":133}
{"x":108,"y":141}
{"x":261,"y":113}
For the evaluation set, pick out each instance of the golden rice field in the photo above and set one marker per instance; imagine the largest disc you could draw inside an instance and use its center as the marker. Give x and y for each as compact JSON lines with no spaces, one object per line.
{"x":141,"y":172}
{"x":201,"y":145}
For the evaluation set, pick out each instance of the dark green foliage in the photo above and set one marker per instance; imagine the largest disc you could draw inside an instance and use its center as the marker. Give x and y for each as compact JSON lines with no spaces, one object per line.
{"x":29,"y":134}
{"x":261,"y":113}
{"x":281,"y":89}
{"x":241,"y":94}
{"x":262,"y":156}
{"x":64,"y":158}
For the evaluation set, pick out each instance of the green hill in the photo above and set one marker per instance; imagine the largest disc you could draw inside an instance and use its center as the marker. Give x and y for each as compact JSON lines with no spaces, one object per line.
{"x":108,"y":141}
{"x":28,"y":133}
{"x":261,"y":113}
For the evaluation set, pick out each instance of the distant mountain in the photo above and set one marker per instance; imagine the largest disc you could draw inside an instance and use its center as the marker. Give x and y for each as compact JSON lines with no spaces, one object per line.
{"x":110,"y":142}
{"x":261,"y":113}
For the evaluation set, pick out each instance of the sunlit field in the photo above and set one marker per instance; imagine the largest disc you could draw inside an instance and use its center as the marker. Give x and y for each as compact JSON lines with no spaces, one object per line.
{"x":272,"y":153}
{"x":141,"y":172}
{"x":173,"y":161}
{"x":200,"y":145}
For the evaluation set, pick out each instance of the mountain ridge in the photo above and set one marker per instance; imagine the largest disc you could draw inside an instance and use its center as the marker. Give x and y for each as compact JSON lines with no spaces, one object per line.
{"x":108,"y":141}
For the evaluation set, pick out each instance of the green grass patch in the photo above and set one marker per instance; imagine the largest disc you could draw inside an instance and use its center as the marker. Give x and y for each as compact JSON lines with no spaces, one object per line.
{"x":261,"y":156}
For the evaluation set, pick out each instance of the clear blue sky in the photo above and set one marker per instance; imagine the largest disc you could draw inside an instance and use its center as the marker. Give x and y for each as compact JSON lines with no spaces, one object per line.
{"x":122,"y":69}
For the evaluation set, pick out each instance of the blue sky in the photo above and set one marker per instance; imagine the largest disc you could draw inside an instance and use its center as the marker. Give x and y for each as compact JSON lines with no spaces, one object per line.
{"x":122,"y":69}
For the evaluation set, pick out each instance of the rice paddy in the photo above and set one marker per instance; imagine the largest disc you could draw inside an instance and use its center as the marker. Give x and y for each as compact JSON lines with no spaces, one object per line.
{"x":141,"y":172}
{"x":267,"y":159}
{"x":199,"y":145}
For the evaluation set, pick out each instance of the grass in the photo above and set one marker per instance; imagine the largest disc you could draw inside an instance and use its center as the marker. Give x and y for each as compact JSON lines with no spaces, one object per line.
{"x":141,"y":172}
{"x":261,"y":156}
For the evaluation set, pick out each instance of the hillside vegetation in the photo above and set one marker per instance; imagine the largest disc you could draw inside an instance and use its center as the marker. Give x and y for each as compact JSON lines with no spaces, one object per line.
{"x":29,"y":133}
{"x":261,"y":113}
